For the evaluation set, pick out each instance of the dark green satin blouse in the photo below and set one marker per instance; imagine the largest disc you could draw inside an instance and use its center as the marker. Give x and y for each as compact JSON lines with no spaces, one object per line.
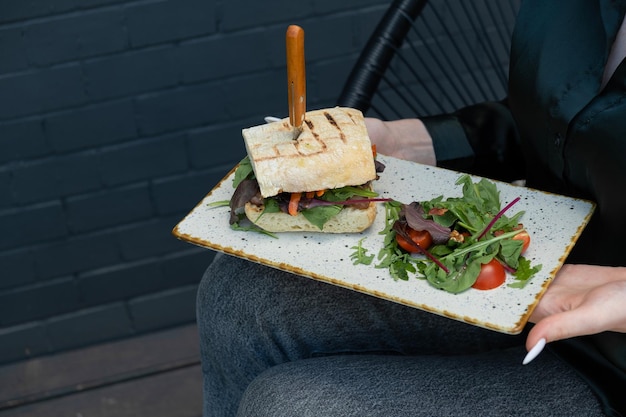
{"x":563,"y":133}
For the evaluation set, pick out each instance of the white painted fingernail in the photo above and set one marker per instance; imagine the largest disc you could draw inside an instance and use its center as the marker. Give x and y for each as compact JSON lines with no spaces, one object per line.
{"x":534,"y":352}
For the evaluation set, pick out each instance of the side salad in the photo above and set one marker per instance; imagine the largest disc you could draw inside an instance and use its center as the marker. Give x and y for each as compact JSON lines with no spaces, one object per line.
{"x":455,"y":243}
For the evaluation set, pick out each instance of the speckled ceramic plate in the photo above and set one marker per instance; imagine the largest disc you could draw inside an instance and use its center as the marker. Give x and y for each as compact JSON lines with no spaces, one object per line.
{"x":553,"y":221}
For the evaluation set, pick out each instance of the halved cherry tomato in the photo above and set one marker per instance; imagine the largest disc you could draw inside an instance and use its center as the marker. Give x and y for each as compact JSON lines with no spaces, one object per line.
{"x":525,"y":238}
{"x":492,"y":275}
{"x":420,"y":237}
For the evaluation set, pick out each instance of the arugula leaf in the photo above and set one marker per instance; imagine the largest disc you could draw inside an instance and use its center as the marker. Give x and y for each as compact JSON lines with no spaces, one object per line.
{"x":321,"y":214}
{"x":392,"y":213}
{"x":271,"y":206}
{"x":400,"y":268}
{"x":462,"y":275}
{"x":348,"y":192}
{"x":360,"y":256}
{"x":524,"y":272}
{"x":511,"y":251}
{"x":490,"y":196}
{"x":508,"y":223}
{"x":244,"y":170}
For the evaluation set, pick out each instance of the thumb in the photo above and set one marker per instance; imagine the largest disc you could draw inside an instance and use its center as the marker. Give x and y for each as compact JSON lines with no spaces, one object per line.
{"x":562,"y":325}
{"x":601,"y":309}
{"x":546,"y":330}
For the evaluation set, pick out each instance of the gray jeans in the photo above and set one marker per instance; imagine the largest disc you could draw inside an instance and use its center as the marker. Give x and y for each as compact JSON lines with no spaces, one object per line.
{"x":276,"y":344}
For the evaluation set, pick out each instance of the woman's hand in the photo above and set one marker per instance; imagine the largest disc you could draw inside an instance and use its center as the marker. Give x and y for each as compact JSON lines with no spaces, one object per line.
{"x":582,"y":300}
{"x":405,"y":139}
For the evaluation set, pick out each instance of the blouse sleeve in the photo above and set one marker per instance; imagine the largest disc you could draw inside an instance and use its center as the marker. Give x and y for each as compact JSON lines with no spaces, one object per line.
{"x":481,"y":139}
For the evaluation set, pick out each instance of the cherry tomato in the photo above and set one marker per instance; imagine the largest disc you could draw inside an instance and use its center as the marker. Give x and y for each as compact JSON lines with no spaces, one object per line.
{"x":525,"y":238}
{"x":491,"y":275}
{"x":420,"y":237}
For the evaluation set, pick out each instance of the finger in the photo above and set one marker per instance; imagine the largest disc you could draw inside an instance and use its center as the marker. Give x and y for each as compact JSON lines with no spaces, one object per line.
{"x":534,"y":351}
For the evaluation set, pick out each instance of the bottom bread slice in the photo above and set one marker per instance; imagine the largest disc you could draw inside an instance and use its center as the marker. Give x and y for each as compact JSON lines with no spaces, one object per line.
{"x":349,"y":220}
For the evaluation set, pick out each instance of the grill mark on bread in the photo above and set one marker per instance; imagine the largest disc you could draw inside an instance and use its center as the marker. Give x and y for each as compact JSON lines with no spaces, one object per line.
{"x":298,"y":154}
{"x":316,"y":136}
{"x":312,"y":129}
{"x":333,"y":122}
{"x":297,"y":144}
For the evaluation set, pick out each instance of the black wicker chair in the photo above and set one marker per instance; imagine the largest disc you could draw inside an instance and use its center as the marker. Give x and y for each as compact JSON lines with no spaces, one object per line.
{"x":432,"y":57}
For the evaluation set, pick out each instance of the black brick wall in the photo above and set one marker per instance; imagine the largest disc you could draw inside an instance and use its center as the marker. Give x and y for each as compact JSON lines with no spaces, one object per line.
{"x":116,"y":118}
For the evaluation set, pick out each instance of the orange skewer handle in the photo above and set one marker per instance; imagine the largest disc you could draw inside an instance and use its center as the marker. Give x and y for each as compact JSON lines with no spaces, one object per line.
{"x":296,"y":77}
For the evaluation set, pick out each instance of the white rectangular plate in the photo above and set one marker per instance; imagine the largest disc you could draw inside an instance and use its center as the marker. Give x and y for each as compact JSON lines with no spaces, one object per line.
{"x":553,"y":221}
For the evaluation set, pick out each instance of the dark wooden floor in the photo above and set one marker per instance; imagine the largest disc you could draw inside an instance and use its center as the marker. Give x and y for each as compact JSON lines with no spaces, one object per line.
{"x":155,"y":375}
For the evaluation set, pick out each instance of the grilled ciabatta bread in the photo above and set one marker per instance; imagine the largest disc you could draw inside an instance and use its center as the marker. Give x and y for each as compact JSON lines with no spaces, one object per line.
{"x":333,"y":150}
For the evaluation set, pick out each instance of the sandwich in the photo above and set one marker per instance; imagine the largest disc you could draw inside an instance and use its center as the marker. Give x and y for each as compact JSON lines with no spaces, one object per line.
{"x":319,"y":182}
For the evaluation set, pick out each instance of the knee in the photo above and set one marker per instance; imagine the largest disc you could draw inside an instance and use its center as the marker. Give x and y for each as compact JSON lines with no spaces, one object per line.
{"x":278,"y":392}
{"x":306,"y":388}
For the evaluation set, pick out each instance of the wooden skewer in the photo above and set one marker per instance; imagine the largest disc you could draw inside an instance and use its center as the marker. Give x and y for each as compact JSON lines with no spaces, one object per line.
{"x":296,"y":77}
